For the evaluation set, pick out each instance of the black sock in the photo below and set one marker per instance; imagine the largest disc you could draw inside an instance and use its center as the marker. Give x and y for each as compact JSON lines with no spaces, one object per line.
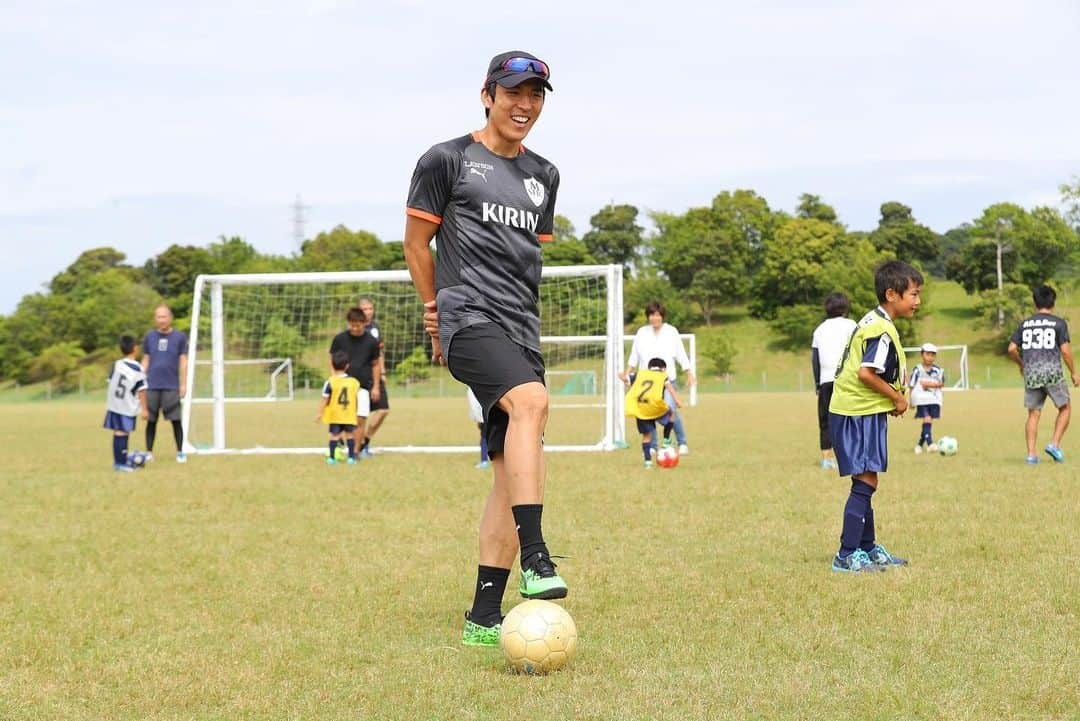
{"x":351,"y":444}
{"x":487,"y":601}
{"x":119,"y":449}
{"x":927,"y":433}
{"x":531,"y":538}
{"x":151,"y":431}
{"x":668,"y":428}
{"x":868,"y":541}
{"x":364,"y":445}
{"x":646,"y":446}
{"x":333,"y":447}
{"x":178,"y":435}
{"x":855,"y":510}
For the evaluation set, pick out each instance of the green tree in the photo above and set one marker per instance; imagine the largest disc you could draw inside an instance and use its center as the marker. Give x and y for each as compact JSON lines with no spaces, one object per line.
{"x":172,"y":273}
{"x":59,"y":364}
{"x":1012,"y":305}
{"x":1070,"y":199}
{"x":900,"y":236}
{"x":1030,"y":247}
{"x":649,"y":286}
{"x":615,"y":236}
{"x":341,"y":249}
{"x":232,"y":255}
{"x":710,"y":253}
{"x":811,"y":207}
{"x":89,"y":263}
{"x":113,"y":305}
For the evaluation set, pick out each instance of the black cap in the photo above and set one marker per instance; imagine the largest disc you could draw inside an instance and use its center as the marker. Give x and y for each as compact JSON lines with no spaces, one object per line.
{"x":509,"y":78}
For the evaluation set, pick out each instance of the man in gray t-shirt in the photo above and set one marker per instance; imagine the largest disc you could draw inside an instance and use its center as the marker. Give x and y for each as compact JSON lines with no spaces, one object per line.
{"x":1039,"y":345}
{"x":491,"y":202}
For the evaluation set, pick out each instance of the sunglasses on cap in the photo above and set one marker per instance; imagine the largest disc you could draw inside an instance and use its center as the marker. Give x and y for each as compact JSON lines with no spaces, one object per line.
{"x":522,"y":65}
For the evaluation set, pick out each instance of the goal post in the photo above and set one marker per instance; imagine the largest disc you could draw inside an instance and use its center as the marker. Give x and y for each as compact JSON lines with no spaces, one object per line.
{"x":953,"y":359}
{"x":263,"y":338}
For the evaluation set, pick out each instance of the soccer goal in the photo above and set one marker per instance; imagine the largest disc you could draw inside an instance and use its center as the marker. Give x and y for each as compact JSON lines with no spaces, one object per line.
{"x":264,"y":339}
{"x":953,"y":359}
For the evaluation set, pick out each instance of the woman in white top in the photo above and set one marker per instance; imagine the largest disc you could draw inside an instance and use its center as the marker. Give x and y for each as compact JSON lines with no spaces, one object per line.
{"x":661,"y":340}
{"x":827,"y":348}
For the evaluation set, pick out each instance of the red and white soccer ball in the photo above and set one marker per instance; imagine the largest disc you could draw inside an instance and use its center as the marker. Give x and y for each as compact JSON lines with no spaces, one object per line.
{"x":538,"y":637}
{"x":667,"y":457}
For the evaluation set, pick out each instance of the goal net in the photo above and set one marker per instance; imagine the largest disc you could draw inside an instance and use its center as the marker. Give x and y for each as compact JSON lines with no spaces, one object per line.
{"x":259,"y":354}
{"x":953,"y":359}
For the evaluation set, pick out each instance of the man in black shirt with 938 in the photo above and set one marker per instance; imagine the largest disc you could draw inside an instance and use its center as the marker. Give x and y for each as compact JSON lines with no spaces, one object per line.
{"x":363,"y":351}
{"x":492,"y":202}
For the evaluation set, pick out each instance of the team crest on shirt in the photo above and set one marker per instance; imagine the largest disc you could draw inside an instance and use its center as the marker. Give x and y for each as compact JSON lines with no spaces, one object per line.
{"x":535,"y":190}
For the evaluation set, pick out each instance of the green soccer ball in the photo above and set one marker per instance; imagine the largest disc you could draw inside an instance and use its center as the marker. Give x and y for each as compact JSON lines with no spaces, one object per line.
{"x":947,"y":446}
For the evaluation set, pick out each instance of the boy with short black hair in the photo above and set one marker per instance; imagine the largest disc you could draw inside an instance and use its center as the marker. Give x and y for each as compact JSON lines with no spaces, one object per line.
{"x":869,"y":387}
{"x":926,"y":382}
{"x":826,"y":348}
{"x":646,"y":401}
{"x":338,"y":408}
{"x":1038,"y":346}
{"x":126,"y":397}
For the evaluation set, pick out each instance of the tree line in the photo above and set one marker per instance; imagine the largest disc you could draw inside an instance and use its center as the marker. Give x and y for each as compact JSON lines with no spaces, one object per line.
{"x":736,"y":250}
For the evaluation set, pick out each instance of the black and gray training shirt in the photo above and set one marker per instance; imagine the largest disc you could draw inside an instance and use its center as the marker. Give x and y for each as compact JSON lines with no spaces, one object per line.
{"x":493,"y":213}
{"x":1039,"y":338}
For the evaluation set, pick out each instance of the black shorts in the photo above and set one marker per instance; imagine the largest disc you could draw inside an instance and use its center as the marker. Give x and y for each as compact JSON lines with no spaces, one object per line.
{"x":484,"y":358}
{"x":648,"y":425}
{"x":931,"y":410}
{"x":167,"y":402}
{"x":383,"y":404}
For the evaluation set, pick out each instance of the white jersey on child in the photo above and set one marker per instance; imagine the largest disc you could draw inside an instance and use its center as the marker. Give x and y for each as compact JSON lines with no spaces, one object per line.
{"x":925,"y":396}
{"x":125,"y":381}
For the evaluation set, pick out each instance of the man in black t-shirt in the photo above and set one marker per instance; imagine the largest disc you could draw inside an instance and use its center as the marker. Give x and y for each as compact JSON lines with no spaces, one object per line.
{"x":492,"y":203}
{"x":363,"y":351}
{"x":380,"y":400}
{"x":1038,"y":346}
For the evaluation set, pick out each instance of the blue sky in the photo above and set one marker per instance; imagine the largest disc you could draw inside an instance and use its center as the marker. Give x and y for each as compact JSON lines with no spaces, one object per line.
{"x":139,"y":125}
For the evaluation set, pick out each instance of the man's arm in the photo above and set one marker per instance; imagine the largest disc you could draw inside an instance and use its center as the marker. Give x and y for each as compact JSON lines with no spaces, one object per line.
{"x":418,"y":235}
{"x":1014,"y":353}
{"x":376,"y":376}
{"x":815,"y":367}
{"x":683,"y":359}
{"x":183,"y":374}
{"x":1067,"y":356}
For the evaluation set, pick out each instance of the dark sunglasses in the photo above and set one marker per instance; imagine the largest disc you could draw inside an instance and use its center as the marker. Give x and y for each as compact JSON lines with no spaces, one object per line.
{"x":521,"y":65}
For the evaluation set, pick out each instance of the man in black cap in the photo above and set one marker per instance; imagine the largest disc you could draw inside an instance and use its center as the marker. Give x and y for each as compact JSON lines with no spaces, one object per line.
{"x":492,"y":202}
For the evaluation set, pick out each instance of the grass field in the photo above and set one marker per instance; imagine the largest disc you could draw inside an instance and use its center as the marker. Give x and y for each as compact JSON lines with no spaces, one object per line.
{"x":280,"y":588}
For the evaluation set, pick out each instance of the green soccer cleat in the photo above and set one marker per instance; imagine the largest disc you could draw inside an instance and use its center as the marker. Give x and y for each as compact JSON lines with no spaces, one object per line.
{"x":476,"y":635}
{"x":539,"y":579}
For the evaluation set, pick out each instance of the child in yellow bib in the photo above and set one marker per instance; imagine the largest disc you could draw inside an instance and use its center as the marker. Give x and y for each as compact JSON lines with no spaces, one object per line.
{"x":645,"y":402}
{"x":339,"y":406}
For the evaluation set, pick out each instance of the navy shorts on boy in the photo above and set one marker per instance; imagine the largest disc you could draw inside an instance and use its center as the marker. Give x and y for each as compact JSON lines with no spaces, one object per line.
{"x":336,"y":428}
{"x":930,"y":410}
{"x":118,"y":422}
{"x":859,"y":443}
{"x":648,"y":426}
{"x":483,"y":357}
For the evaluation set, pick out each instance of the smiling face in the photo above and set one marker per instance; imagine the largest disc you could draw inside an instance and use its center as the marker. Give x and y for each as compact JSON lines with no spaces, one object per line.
{"x":903,"y":305}
{"x":514,"y":110}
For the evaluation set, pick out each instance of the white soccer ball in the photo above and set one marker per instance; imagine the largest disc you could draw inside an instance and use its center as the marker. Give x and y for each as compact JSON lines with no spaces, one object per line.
{"x":667,"y":457}
{"x":947,"y":446}
{"x":537,"y":637}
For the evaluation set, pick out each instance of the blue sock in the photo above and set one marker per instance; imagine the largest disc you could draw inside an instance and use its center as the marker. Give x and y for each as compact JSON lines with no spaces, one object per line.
{"x":868,"y":541}
{"x":333,"y":447}
{"x":119,"y":449}
{"x":483,"y":445}
{"x":646,"y":446}
{"x":351,"y":445}
{"x":927,"y":433}
{"x":855,"y":512}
